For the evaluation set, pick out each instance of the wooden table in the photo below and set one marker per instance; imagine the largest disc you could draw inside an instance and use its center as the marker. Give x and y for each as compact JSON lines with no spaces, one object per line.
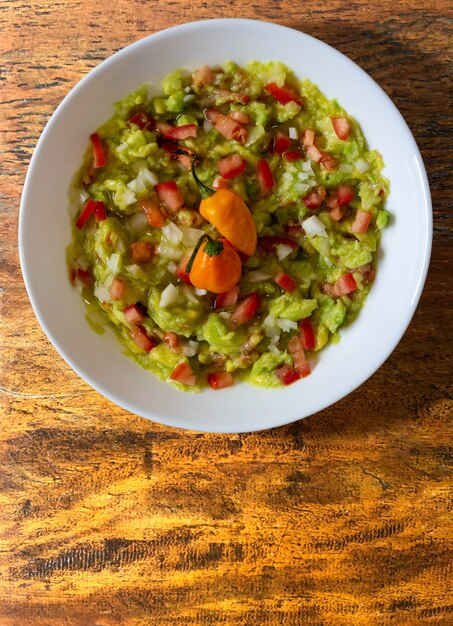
{"x":340,"y":519}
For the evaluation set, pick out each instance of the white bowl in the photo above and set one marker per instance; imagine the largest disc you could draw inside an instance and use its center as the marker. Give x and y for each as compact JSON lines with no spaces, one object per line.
{"x":44,"y":228}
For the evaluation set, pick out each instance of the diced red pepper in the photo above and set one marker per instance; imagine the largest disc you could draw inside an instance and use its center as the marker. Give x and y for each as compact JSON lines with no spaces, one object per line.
{"x":314,"y":153}
{"x":246,"y":309}
{"x":142,"y":120}
{"x":181,"y":271}
{"x":361,"y":221}
{"x":177,"y":133}
{"x":269,"y":243}
{"x":283,"y":94}
{"x":212,"y":115}
{"x":172,"y":341}
{"x":142,"y":251}
{"x":155,"y":216}
{"x":117,"y":289}
{"x":337,"y":213}
{"x":84,"y":276}
{"x":99,"y":158}
{"x":345,"y":193}
{"x":281,"y":143}
{"x":100,"y":212}
{"x":341,"y":127}
{"x":184,"y":374}
{"x":170,"y":195}
{"x":292,"y":155}
{"x":239,"y":116}
{"x":293,"y":230}
{"x":315,"y":198}
{"x":228,"y":298}
{"x":87,"y":210}
{"x":230,"y":128}
{"x":328,"y":162}
{"x":220,"y":380}
{"x":300,"y":360}
{"x":220,"y":183}
{"x":231,"y":166}
{"x":265,"y":178}
{"x":309,"y":137}
{"x":285,"y":281}
{"x":141,"y":338}
{"x":344,"y":285}
{"x":135,"y":313}
{"x":307,"y":335}
{"x":287,"y":374}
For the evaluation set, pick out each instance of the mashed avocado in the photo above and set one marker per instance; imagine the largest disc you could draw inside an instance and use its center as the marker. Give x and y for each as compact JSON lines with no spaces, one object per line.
{"x":316,"y":195}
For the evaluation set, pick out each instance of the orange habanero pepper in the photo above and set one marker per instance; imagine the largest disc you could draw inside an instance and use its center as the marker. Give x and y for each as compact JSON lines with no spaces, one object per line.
{"x":227,"y":211}
{"x":213,"y":266}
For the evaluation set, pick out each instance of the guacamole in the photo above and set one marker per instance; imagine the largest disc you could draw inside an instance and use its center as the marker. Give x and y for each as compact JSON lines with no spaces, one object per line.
{"x":227,"y":228}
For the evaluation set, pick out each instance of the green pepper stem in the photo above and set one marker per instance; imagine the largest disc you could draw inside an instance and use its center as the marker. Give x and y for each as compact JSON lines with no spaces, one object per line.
{"x":213,"y":248}
{"x":205,"y":191}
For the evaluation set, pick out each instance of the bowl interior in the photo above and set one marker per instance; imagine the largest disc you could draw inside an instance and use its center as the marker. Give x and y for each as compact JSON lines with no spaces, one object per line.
{"x":44,"y":229}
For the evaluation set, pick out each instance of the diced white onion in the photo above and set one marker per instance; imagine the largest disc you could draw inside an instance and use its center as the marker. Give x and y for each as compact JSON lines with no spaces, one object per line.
{"x":292,"y":133}
{"x":113,"y":262}
{"x":269,"y":321}
{"x":168,"y":251}
{"x":346,"y":168}
{"x":172,"y":233}
{"x":128,"y":197}
{"x":302,"y":176}
{"x":187,"y":89}
{"x":207,"y":126}
{"x":137,"y":185}
{"x":201,"y":292}
{"x":136,"y":223}
{"x":78,"y":285}
{"x":190,"y":297}
{"x":189,"y":98}
{"x":189,"y":350}
{"x":190,"y":236}
{"x":313,"y":227}
{"x":258,"y":276}
{"x":306,"y":166}
{"x":272,"y":331}
{"x":301,"y":187}
{"x":121,"y":147}
{"x":361,"y":165}
{"x":121,"y":246}
{"x":287,"y":178}
{"x":172,"y":267}
{"x":273,"y":349}
{"x":82,"y":262}
{"x":328,"y":262}
{"x":283,"y":251}
{"x":170,"y":295}
{"x":148,"y":176}
{"x":83,"y":196}
{"x":255,"y":133}
{"x":287,"y":325}
{"x":133,"y":269}
{"x":225,"y":315}
{"x":102,"y":293}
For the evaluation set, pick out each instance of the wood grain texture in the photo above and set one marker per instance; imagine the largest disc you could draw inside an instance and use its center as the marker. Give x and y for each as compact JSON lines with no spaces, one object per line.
{"x":341,"y":519}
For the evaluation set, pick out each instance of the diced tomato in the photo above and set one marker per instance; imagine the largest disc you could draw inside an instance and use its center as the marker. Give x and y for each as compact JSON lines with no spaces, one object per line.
{"x":292,"y":155}
{"x":88,"y":209}
{"x":328,"y":162}
{"x":315,"y":198}
{"x":344,"y":285}
{"x":287,"y":374}
{"x":181,"y":271}
{"x":281,"y":143}
{"x":172,"y":341}
{"x":142,"y":251}
{"x":246,"y":309}
{"x":366,"y":271}
{"x":337,"y":213}
{"x":269,"y":243}
{"x":231,"y":166}
{"x":232,"y":96}
{"x":170,"y":195}
{"x":142,"y":120}
{"x":155,"y":216}
{"x":212,"y":115}
{"x":228,"y":298}
{"x":177,"y":133}
{"x":220,"y":183}
{"x":314,"y":153}
{"x":293,"y":230}
{"x":265,"y":178}
{"x":230,"y":128}
{"x":239,"y":116}
{"x":203,"y":76}
{"x":283,"y":94}
{"x":100,"y":212}
{"x":341,"y":127}
{"x":285,"y":281}
{"x":84,"y":276}
{"x":99,"y":158}
{"x":183,"y":374}
{"x":361,"y":222}
{"x":300,"y":360}
{"x":141,"y":338}
{"x":117,"y":289}
{"x":220,"y":380}
{"x":309,"y":137}
{"x":135,"y":313}
{"x":345,"y":193}
{"x":307,"y":335}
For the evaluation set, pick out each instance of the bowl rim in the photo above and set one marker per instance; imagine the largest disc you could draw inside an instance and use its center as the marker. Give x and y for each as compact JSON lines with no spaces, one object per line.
{"x":425,"y":254}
